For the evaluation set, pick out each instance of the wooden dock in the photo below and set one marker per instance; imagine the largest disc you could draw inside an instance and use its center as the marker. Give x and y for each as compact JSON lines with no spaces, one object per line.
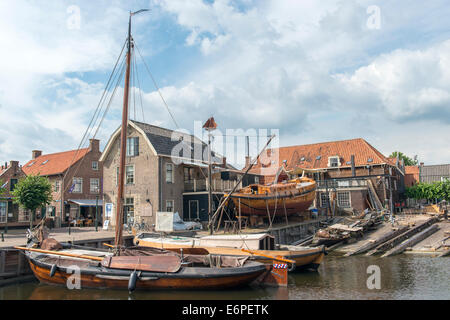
{"x":410,"y":234}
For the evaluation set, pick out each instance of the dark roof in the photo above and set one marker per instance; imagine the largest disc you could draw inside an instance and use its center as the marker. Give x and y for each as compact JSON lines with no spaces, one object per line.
{"x":161,"y":140}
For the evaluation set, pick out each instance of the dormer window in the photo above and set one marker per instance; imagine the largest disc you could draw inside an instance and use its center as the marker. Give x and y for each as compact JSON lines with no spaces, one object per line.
{"x":333,"y":162}
{"x":44,"y":162}
{"x":370,"y":160}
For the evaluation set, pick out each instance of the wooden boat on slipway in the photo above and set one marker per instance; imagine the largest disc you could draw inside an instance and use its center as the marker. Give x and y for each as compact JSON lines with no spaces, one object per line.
{"x":258,"y":247}
{"x":294,"y":196}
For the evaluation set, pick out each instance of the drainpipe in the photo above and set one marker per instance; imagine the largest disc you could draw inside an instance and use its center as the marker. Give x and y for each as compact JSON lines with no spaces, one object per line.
{"x":160,"y":182}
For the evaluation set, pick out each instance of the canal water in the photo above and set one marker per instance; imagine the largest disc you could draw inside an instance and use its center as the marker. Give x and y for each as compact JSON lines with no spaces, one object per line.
{"x":401,"y":277}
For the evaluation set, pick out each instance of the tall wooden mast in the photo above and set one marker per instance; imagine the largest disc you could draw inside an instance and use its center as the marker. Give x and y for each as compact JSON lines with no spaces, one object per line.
{"x":123,"y":146}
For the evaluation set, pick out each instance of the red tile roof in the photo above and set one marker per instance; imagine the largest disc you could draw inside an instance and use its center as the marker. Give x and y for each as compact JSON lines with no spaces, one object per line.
{"x":55,"y":163}
{"x":315,"y":156}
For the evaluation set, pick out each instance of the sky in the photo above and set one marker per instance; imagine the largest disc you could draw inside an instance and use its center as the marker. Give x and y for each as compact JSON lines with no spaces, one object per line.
{"x":315,"y":71}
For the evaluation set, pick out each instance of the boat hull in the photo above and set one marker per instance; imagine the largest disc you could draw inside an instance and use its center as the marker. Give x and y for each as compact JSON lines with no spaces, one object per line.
{"x":310,"y":258}
{"x":186,"y":278}
{"x":259,"y":205}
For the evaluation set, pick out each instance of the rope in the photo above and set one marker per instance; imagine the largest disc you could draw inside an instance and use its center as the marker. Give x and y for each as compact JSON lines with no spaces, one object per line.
{"x":157,"y":88}
{"x":93,"y":119}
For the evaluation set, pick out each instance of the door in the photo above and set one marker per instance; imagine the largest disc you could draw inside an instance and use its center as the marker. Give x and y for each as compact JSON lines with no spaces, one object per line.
{"x":193,"y":210}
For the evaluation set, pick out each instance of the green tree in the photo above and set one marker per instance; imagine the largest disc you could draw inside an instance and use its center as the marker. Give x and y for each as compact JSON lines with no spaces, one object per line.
{"x":407,"y":160}
{"x":33,"y":192}
{"x":430,"y":191}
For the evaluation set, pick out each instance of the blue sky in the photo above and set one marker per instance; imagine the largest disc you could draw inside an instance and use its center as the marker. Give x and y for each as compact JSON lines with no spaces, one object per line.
{"x":316,"y":70}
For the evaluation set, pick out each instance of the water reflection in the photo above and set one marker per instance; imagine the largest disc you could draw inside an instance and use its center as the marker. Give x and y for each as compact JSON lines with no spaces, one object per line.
{"x":402,"y":277}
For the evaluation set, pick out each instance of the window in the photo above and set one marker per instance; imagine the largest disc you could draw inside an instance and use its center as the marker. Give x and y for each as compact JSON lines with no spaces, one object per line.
{"x":169,"y":206}
{"x":333,"y":162}
{"x":77,"y":185}
{"x":169,"y":173}
{"x":129,"y":174}
{"x":132,"y":147}
{"x":343,"y":199}
{"x":94,"y":165}
{"x":12,"y":184}
{"x":188,"y":174}
{"x":324,"y":200}
{"x":95,"y":185}
{"x":2,"y":212}
{"x":128,"y":209}
{"x":57,"y":186}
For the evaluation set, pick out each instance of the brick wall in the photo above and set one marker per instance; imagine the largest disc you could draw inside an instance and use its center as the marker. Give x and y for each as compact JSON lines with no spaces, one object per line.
{"x":146,"y":179}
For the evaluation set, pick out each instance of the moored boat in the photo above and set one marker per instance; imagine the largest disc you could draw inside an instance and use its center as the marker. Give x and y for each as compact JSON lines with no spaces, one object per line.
{"x":259,"y":247}
{"x":141,"y":268}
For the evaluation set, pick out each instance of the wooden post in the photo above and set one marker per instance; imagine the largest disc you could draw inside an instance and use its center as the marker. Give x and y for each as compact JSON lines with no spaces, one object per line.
{"x":239,"y":218}
{"x":19,"y":263}
{"x":3,"y":261}
{"x":268,"y":214}
{"x":285,"y":211}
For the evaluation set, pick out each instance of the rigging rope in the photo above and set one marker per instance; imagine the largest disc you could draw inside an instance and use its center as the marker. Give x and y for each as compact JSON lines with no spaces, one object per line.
{"x":157,"y":88}
{"x":93,"y":119}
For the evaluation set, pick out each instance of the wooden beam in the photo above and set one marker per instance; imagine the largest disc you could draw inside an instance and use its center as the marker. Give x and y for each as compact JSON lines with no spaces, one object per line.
{"x":412,"y":241}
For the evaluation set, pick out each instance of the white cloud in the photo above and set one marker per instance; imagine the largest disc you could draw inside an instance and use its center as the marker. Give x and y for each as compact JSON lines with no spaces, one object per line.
{"x":310,"y":68}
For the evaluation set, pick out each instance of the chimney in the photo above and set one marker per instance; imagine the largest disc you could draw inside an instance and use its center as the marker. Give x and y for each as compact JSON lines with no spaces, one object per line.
{"x":94,"y":145}
{"x":14,"y":164}
{"x":224,"y":162}
{"x":35,"y":154}
{"x":247,"y":161}
{"x":352,"y":160}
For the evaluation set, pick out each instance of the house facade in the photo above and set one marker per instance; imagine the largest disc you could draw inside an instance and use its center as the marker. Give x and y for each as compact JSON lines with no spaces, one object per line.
{"x":351,"y":175}
{"x":11,"y":214}
{"x":165,"y":171}
{"x":76,"y":177}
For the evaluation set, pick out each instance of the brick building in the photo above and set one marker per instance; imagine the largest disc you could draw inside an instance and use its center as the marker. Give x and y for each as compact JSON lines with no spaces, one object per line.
{"x":350,"y":172}
{"x":76,"y":177}
{"x":156,"y":180}
{"x":412,"y":175}
{"x":10,"y":213}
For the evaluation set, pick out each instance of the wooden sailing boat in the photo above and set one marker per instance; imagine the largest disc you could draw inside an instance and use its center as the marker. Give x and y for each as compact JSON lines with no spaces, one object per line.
{"x":282,"y":199}
{"x":134,"y":267}
{"x":259,"y":247}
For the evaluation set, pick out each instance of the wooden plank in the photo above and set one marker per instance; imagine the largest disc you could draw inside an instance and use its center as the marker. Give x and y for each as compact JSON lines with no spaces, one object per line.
{"x":412,"y":241}
{"x":398,"y":239}
{"x":375,"y":242}
{"x":3,"y":261}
